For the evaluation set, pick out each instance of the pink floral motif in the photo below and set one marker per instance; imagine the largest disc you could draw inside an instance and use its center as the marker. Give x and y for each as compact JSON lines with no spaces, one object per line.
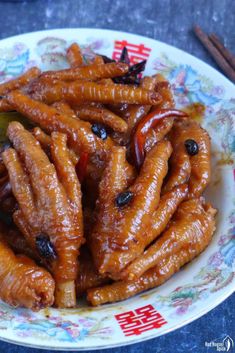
{"x":96,"y":44}
{"x":182,"y":305}
{"x":216,"y":259}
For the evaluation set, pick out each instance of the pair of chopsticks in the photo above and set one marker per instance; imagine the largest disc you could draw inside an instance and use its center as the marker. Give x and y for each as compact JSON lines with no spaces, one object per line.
{"x":222,"y":56}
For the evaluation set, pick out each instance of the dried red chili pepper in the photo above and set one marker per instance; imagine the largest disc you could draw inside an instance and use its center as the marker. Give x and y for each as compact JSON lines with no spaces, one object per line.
{"x":136,"y":69}
{"x":124,"y":56}
{"x":107,"y":59}
{"x":133,"y":75}
{"x":145,"y":124}
{"x":81,"y":166}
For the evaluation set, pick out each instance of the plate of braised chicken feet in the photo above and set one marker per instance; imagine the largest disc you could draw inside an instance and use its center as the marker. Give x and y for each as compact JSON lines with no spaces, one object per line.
{"x":116,"y":189}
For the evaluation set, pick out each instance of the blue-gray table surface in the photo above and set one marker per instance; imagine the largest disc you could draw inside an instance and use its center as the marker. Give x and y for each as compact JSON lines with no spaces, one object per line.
{"x":169,"y":21}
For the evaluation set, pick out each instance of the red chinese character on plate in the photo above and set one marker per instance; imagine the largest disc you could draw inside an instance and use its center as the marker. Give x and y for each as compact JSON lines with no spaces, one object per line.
{"x":140,"y":320}
{"x":137,"y":52}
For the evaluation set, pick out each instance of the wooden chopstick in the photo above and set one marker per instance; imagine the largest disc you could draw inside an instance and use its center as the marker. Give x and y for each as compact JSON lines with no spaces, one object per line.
{"x":224,"y":51}
{"x":223,"y":60}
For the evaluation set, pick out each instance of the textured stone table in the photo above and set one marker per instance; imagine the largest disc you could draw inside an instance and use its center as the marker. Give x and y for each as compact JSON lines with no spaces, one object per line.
{"x":170,"y":22}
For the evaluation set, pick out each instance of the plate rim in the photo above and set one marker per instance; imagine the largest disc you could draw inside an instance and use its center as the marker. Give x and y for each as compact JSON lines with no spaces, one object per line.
{"x":128,"y":343}
{"x":122,"y":32}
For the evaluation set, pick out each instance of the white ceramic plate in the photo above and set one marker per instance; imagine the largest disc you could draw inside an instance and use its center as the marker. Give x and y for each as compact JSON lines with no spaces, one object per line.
{"x":199,"y":286}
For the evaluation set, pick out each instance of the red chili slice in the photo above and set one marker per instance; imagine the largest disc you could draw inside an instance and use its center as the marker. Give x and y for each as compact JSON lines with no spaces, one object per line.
{"x":81,"y":166}
{"x":145,"y":124}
